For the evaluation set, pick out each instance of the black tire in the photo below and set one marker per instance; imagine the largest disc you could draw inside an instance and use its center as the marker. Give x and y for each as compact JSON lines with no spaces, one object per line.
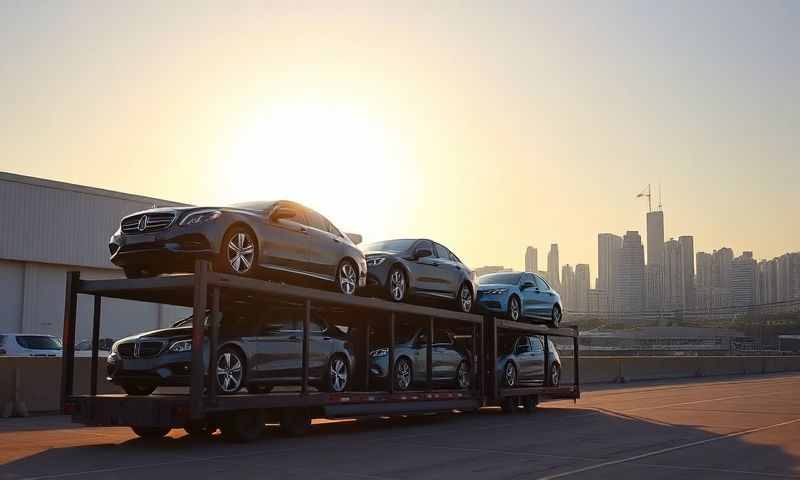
{"x":132,"y":272}
{"x":295,"y":422}
{"x":463,"y":375}
{"x":514,"y":310}
{"x":397,"y":293}
{"x":151,"y":433}
{"x":508,"y":405}
{"x":239,"y":242}
{"x":464,"y":293}
{"x":347,"y":277}
{"x":201,"y":429}
{"x":233,"y":378}
{"x":138,"y":390}
{"x":555,"y":317}
{"x":337,"y":378}
{"x":403,"y":382}
{"x":530,"y":403}
{"x":510,"y":377}
{"x":555,"y":375}
{"x":243,"y":426}
{"x":259,"y":389}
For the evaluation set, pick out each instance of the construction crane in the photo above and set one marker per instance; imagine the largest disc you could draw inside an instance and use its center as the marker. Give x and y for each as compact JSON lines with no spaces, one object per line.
{"x":647,"y":193}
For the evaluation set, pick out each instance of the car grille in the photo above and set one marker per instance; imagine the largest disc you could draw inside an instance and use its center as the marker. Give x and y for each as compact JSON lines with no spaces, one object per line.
{"x":142,"y":349}
{"x":155,"y":222}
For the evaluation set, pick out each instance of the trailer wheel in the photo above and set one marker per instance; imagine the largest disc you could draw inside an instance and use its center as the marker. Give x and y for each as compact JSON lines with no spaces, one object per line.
{"x":295,"y":422}
{"x":508,"y":405}
{"x":151,"y":433}
{"x":530,"y":403}
{"x":138,"y":390}
{"x":244,"y":426}
{"x":201,"y":429}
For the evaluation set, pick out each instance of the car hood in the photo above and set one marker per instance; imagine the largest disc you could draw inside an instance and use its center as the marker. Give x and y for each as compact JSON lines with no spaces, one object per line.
{"x":374,"y":253}
{"x":162,"y":333}
{"x":492,"y":286}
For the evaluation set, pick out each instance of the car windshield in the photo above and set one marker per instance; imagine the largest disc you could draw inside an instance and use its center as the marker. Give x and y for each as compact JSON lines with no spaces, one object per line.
{"x":38,"y":342}
{"x":500,"y":278}
{"x":260,"y":206}
{"x":394,"y":246}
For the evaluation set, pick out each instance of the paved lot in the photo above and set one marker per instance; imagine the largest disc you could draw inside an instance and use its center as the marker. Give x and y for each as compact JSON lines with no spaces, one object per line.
{"x":744,"y":428}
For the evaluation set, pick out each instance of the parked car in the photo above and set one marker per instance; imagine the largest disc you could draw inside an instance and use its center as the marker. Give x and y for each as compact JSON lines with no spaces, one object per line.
{"x":517,"y":296}
{"x":103,"y":345}
{"x":257,"y":238}
{"x":405,"y":268}
{"x":450,"y":362}
{"x":29,"y":345}
{"x":523,"y":364}
{"x":258,"y":349}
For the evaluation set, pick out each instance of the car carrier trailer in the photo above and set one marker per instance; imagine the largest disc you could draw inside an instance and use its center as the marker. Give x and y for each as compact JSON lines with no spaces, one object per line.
{"x":242,"y":416}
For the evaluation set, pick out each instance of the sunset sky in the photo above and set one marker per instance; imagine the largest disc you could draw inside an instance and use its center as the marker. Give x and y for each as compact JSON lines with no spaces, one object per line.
{"x":485,"y":126}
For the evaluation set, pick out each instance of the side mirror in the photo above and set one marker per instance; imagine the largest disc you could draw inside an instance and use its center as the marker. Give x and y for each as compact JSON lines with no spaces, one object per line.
{"x":422,"y":253}
{"x":282,"y":212}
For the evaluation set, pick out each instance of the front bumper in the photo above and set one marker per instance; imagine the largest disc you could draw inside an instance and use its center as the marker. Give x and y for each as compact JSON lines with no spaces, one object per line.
{"x":174,"y":249}
{"x":168,"y":369}
{"x":493,"y":303}
{"x":377,"y":277}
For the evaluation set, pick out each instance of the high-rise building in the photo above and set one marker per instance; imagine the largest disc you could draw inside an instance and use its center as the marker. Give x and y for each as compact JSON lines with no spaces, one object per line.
{"x":629,"y":274}
{"x":767,"y":281}
{"x":552,"y":266}
{"x":568,"y":287}
{"x":654,"y":287}
{"x":582,"y":280}
{"x":673,"y":277}
{"x":597,"y":301}
{"x":608,"y":245}
{"x":703,"y":282}
{"x":531,"y":260}
{"x":788,"y":284}
{"x":655,"y":238}
{"x":687,"y":271}
{"x":721,"y":267}
{"x":743,"y":279}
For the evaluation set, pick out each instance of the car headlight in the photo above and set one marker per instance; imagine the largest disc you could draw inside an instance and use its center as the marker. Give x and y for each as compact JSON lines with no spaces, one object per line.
{"x":375,"y":261}
{"x":495,"y":291}
{"x":200,"y":216}
{"x":181,"y":346}
{"x":381,"y":352}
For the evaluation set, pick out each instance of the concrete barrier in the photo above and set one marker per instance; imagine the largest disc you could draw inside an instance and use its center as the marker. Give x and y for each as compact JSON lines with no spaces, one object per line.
{"x":36,"y":382}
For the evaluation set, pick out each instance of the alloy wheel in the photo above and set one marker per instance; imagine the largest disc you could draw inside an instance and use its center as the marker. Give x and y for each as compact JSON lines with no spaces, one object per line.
{"x":556,"y":316}
{"x":241,"y":252}
{"x":347,"y":278}
{"x":463,"y":375}
{"x":513,"y":309}
{"x":555,"y":375}
{"x":338,"y":375}
{"x":397,"y":285}
{"x":229,"y":372}
{"x":465,"y":299}
{"x":510,"y":375}
{"x":402,"y":375}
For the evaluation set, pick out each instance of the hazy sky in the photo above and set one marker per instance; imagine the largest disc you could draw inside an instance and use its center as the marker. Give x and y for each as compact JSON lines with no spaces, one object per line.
{"x":485,"y":126}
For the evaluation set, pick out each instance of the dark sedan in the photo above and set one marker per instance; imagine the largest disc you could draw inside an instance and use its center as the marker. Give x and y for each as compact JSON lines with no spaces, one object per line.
{"x":260,"y":238}
{"x":406,"y":268}
{"x":257,"y":350}
{"x":450,"y":362}
{"x":523,"y":362}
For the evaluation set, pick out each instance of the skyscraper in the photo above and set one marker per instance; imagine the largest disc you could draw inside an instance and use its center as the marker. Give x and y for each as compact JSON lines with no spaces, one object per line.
{"x":629,"y":274}
{"x":788,"y":284}
{"x":655,"y":238}
{"x":673,"y":277}
{"x":552,"y":266}
{"x":743,"y":279}
{"x":703,"y":282}
{"x":531,"y":260}
{"x":721,"y":268}
{"x":687,"y":270}
{"x":608,"y":245}
{"x":581,"y":289}
{"x":568,"y":287}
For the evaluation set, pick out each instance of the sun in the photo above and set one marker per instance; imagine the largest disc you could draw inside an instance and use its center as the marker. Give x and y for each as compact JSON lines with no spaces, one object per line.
{"x":340,"y":159}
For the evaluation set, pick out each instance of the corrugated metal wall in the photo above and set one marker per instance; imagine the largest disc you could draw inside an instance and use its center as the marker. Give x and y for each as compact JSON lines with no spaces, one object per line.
{"x":51,"y":222}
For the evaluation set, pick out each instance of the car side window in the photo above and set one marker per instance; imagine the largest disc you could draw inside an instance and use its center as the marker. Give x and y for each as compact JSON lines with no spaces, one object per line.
{"x":426,"y":244}
{"x":453,"y":258}
{"x":540,"y":283}
{"x":315,"y":220}
{"x":441,"y":337}
{"x":317,"y":326}
{"x":522,"y":345}
{"x":331,"y":228}
{"x":536,"y":345}
{"x":442,"y":252}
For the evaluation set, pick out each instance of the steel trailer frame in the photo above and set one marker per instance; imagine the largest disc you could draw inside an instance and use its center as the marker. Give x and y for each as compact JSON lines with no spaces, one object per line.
{"x":203,"y":291}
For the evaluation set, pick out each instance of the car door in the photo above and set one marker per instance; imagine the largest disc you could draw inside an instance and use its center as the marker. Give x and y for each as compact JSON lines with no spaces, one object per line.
{"x":281,"y":344}
{"x":543,"y":298}
{"x":529,"y":294}
{"x":450,"y":271}
{"x":284,"y":245}
{"x":525,"y":363}
{"x":320,"y":347}
{"x":324,"y":252}
{"x":537,"y":359}
{"x":445,"y":357}
{"x":428,"y":276}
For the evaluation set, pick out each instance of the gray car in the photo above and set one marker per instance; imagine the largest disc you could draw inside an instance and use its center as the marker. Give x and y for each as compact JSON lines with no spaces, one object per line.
{"x":522,"y":362}
{"x":450,"y":361}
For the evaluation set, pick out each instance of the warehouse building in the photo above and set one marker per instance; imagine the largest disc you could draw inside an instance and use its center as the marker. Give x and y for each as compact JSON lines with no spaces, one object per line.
{"x":49,"y":228}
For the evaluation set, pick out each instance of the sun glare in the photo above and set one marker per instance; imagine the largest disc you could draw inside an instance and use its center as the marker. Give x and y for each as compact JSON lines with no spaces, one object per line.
{"x":338,"y":159}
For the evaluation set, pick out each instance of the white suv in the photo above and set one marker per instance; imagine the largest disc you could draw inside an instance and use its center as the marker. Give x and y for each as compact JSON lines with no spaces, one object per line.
{"x":29,"y":345}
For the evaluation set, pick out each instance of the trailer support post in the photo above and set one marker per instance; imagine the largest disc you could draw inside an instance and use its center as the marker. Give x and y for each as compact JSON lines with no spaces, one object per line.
{"x":68,"y":361}
{"x":390,"y":360}
{"x":213,"y":342}
{"x":492,"y":366}
{"x":575,"y":363}
{"x":473,"y":367}
{"x":367,"y":326}
{"x":95,"y":343}
{"x":429,"y":360}
{"x":306,"y":325}
{"x":546,"y":380}
{"x":198,"y":317}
